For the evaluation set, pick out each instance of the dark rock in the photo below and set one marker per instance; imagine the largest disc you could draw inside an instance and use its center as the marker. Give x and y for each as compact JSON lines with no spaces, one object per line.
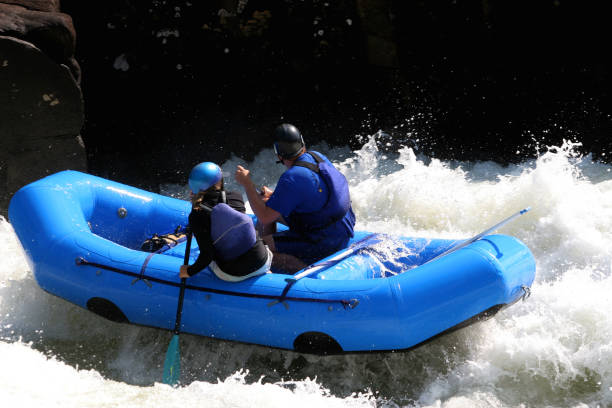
{"x":39,"y":5}
{"x":41,"y":111}
{"x":41,"y":105}
{"x":376,"y":21}
{"x":52,"y":32}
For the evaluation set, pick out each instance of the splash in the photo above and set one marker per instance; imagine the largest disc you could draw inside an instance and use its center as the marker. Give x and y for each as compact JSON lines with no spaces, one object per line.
{"x":29,"y":378}
{"x":552,"y":350}
{"x":570,"y":196}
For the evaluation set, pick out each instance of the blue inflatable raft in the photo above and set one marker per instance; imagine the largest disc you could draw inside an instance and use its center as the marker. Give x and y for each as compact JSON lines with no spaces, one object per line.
{"x":82,"y":235}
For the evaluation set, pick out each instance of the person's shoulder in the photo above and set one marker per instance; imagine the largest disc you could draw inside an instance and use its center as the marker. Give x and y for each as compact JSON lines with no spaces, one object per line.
{"x":198,"y":215}
{"x":234,"y":200}
{"x":234,"y":195}
{"x":296,"y":172}
{"x":321,"y":155}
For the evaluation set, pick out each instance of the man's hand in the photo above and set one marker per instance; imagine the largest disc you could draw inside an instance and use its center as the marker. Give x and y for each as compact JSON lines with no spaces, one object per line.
{"x":264,"y":214}
{"x":242,"y":176}
{"x":265,"y":193}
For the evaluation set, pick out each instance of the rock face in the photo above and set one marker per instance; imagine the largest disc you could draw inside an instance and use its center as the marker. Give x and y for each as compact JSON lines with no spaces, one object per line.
{"x":38,"y":5}
{"x":44,"y":26}
{"x":375,"y":16}
{"x":41,"y":105}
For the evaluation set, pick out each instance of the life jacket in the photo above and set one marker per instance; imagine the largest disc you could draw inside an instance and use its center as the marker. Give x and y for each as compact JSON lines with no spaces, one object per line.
{"x":338,"y":201}
{"x":238,"y":249}
{"x":232,"y":232}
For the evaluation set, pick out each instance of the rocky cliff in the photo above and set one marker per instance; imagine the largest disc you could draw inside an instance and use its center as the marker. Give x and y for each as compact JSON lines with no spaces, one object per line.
{"x":41,"y":106}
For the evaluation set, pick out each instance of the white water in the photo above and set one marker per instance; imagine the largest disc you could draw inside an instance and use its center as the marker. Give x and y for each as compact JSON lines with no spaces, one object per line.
{"x":555,"y":349}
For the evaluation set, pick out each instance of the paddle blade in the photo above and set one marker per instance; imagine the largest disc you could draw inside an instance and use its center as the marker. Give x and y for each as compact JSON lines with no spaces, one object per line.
{"x":172,"y":364}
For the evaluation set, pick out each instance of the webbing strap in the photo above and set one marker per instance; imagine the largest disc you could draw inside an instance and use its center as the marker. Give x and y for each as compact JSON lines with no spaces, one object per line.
{"x":312,"y":166}
{"x":160,"y":250}
{"x":344,"y":302}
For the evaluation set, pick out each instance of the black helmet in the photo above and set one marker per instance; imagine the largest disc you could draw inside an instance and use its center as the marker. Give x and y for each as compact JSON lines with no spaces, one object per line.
{"x":288,"y":141}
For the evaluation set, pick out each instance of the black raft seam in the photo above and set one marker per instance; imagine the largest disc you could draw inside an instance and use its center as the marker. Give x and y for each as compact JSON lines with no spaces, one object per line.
{"x":84,"y":262}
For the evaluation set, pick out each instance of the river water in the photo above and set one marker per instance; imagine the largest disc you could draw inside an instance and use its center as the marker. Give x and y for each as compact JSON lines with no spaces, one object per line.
{"x":552,"y":350}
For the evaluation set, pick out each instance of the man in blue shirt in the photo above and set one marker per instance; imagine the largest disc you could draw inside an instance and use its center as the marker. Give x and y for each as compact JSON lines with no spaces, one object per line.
{"x":311,"y":197}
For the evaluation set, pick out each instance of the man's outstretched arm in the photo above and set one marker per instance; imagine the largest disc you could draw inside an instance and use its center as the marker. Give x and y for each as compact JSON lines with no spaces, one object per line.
{"x":264,"y":214}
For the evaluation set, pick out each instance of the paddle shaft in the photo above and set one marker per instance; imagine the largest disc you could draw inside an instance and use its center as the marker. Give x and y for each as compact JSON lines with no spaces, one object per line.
{"x":482,"y":234}
{"x":336,"y":258}
{"x":179,"y":309}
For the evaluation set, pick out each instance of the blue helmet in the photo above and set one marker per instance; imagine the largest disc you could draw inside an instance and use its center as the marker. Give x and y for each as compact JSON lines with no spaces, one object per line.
{"x":203,"y":176}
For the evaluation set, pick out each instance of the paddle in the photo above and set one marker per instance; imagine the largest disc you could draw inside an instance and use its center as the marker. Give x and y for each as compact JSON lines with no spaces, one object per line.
{"x":172,"y":364}
{"x":482,"y":234}
{"x":309,"y":270}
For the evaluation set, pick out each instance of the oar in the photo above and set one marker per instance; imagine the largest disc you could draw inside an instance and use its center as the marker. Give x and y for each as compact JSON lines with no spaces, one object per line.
{"x":482,"y":234}
{"x":309,"y":270}
{"x":172,"y":364}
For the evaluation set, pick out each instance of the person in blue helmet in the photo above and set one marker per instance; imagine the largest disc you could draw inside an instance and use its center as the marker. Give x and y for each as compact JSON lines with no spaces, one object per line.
{"x":311,"y":197}
{"x":226,"y":236}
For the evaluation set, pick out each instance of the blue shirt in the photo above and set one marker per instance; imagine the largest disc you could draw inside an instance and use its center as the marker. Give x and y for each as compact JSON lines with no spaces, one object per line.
{"x":302,"y":190}
{"x":299,"y":189}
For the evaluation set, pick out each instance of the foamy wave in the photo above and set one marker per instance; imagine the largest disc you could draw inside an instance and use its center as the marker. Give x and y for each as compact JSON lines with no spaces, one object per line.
{"x":552,"y":350}
{"x":29,"y":378}
{"x":555,"y":349}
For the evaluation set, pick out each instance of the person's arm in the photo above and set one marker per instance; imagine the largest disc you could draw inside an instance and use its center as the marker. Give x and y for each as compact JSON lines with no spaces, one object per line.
{"x":264,"y":214}
{"x":201,"y":232}
{"x":204,"y":258}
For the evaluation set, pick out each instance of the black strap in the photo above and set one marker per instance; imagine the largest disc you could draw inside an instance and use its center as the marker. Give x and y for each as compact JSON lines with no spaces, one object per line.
{"x":315,"y":156}
{"x":308,"y":165}
{"x":206,"y":208}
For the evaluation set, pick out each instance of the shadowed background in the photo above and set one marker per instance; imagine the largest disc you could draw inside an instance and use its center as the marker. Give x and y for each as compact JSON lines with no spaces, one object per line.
{"x":140,"y":92}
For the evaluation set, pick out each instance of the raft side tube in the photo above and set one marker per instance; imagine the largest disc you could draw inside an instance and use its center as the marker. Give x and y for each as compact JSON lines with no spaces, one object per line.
{"x":128,"y":215}
{"x":372,"y":305}
{"x":516,"y":263}
{"x":452,"y":289}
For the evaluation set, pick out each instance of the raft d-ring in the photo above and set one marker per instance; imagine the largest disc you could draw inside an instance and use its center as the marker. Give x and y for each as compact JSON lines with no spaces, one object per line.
{"x":350,"y":303}
{"x":146,"y":281}
{"x":527,"y":292}
{"x":281,"y":301}
{"x":121,"y":212}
